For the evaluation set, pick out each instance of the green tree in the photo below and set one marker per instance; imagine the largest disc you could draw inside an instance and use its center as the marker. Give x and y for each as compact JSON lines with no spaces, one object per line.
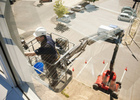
{"x":91,"y":0}
{"x":60,"y":9}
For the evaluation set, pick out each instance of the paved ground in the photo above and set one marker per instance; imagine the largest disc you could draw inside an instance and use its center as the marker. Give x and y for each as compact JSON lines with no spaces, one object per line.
{"x":85,"y":75}
{"x":78,"y":91}
{"x":114,"y":5}
{"x":89,"y":22}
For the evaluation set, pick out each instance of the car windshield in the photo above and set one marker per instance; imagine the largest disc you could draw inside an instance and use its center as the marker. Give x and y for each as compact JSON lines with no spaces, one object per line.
{"x":127,"y":16}
{"x":129,"y":13}
{"x":122,"y":15}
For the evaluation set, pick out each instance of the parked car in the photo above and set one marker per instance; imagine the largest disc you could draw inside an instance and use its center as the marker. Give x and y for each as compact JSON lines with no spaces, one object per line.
{"x":129,"y":12}
{"x":128,"y":8}
{"x":126,"y":17}
{"x":78,"y":8}
{"x":65,"y":18}
{"x":72,"y":14}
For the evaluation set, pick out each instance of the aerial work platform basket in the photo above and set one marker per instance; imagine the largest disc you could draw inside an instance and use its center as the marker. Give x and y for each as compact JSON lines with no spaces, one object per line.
{"x":43,"y":75}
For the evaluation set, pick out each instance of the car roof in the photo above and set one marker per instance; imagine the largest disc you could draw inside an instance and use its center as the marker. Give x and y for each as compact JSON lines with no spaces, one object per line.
{"x":113,"y":26}
{"x":65,"y":15}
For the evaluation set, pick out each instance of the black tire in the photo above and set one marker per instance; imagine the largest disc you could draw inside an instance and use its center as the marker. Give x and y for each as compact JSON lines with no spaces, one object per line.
{"x":11,"y":2}
{"x":131,"y":21}
{"x":114,"y":95}
{"x":119,"y":84}
{"x":118,"y":18}
{"x":82,"y":11}
{"x":95,"y":87}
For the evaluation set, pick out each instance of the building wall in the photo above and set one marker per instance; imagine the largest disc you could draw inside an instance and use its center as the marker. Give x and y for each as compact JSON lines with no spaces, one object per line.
{"x":6,"y":10}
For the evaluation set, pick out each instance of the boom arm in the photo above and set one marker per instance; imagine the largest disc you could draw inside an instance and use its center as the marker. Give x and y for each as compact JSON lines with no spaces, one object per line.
{"x":115,"y":51}
{"x":79,"y":49}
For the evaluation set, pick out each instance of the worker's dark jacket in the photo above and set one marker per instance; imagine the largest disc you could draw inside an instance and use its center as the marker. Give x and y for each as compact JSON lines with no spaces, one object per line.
{"x":47,"y":50}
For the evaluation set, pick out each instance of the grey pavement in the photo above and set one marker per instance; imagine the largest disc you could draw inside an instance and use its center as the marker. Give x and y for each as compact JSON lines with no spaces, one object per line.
{"x":33,"y":16}
{"x":89,"y":23}
{"x":114,"y":5}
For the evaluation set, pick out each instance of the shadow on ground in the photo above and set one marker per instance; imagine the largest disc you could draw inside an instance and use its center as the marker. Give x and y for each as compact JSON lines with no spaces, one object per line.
{"x":61,"y":27}
{"x":91,"y":8}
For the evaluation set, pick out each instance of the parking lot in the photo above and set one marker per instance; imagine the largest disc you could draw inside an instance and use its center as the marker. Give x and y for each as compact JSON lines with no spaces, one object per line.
{"x":87,"y":23}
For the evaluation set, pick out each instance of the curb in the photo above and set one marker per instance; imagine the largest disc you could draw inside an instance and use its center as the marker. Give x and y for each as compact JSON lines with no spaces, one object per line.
{"x":53,"y":19}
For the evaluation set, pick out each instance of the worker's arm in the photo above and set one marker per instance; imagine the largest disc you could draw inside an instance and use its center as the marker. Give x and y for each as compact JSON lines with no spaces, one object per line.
{"x":29,"y":53}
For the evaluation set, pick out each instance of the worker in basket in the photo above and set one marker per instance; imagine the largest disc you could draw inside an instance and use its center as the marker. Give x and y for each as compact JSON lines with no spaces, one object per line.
{"x":47,"y":52}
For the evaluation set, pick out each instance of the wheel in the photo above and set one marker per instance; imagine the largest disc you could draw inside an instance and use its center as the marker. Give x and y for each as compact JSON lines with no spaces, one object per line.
{"x":11,"y":2}
{"x":119,"y":84}
{"x":118,"y":18}
{"x":82,"y":11}
{"x":131,"y":21}
{"x":114,"y":95}
{"x":95,"y":87}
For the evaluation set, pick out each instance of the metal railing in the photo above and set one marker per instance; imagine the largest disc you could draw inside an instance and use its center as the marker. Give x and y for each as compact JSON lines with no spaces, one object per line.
{"x":59,"y":68}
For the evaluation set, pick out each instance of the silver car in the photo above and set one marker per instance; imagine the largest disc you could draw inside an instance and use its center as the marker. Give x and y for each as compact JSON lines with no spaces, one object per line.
{"x":126,"y":17}
{"x":78,"y":8}
{"x":72,"y":14}
{"x":65,"y":18}
{"x":129,"y":12}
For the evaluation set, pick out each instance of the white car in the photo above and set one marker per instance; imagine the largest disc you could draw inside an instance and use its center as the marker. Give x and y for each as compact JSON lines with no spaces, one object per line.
{"x":126,"y":17}
{"x":65,"y":18}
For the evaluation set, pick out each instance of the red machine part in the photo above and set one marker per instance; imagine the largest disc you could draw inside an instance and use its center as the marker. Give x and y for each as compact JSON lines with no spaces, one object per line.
{"x":103,"y":80}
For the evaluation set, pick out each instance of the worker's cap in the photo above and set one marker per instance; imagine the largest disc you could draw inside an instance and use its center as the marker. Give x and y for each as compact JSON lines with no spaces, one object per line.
{"x":39,"y":32}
